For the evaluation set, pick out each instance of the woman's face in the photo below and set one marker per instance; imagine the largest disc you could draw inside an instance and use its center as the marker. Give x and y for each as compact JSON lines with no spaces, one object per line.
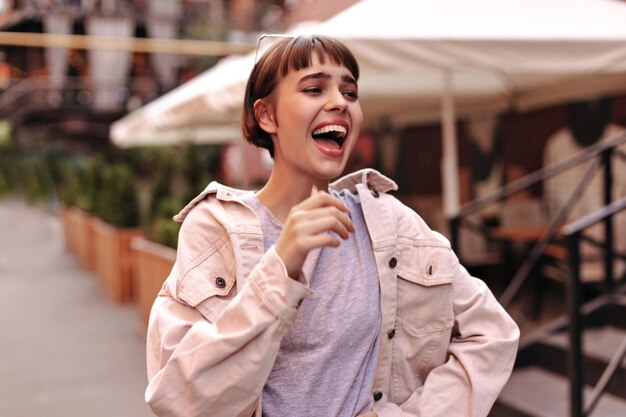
{"x":317,"y":119}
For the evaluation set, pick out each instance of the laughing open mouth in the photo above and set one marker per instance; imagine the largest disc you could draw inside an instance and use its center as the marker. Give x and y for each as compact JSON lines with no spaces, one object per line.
{"x":331,"y":136}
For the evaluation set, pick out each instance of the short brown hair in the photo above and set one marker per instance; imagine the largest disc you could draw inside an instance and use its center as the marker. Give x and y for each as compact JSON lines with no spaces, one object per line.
{"x":287,"y":54}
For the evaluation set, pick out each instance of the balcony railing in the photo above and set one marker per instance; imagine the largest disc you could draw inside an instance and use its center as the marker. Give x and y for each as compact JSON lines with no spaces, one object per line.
{"x":42,"y":93}
{"x":601,"y":156}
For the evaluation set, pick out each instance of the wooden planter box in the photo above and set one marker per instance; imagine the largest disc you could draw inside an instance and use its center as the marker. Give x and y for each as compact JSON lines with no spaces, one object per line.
{"x":68,"y":232}
{"x":79,"y":236}
{"x":152,"y":263}
{"x":112,"y":259}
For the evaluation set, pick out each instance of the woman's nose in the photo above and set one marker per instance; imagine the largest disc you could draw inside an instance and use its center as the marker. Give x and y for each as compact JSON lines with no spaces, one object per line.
{"x":336,"y":102}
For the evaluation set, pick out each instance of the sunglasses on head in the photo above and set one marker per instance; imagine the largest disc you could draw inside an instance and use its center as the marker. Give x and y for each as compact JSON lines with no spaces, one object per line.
{"x":270,"y":36}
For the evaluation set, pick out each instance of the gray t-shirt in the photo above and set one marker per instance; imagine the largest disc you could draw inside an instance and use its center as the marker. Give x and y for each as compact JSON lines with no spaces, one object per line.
{"x":327,"y":359}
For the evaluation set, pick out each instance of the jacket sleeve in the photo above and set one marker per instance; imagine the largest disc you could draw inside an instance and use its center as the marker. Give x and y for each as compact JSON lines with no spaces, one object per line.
{"x":481,"y":356}
{"x":202,"y":368}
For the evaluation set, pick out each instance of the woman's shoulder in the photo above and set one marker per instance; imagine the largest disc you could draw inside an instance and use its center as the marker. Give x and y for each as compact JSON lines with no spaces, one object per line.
{"x":212,"y":214}
{"x":412,"y":223}
{"x":214,"y":190}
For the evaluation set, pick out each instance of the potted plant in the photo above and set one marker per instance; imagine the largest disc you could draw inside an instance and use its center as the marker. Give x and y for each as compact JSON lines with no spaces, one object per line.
{"x":154,"y":257}
{"x":80,"y":180}
{"x":115,"y":225}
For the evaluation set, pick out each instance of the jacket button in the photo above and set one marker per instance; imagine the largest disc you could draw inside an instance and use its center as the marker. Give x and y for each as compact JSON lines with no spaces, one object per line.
{"x":391,"y":333}
{"x":378,"y":395}
{"x":220,"y":282}
{"x":393,"y":262}
{"x":375,"y":193}
{"x":429,"y":271}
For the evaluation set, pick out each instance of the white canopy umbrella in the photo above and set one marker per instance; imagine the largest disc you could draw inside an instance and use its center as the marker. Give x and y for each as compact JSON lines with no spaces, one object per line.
{"x":200,"y":110}
{"x":489,"y":55}
{"x":501,"y":54}
{"x":424,"y":61}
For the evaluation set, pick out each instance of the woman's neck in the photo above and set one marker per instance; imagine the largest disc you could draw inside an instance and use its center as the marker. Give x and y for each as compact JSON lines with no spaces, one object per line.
{"x":285,"y":190}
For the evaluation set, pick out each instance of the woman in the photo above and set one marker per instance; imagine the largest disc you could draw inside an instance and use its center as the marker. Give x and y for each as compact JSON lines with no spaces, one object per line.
{"x":310,"y":299}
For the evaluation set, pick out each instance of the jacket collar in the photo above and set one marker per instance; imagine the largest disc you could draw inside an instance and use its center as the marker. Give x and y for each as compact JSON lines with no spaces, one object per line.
{"x":370,"y":177}
{"x":373,"y":179}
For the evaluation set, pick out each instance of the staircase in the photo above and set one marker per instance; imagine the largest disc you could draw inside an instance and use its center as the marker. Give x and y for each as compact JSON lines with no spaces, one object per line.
{"x":575,"y":367}
{"x":539,"y":385}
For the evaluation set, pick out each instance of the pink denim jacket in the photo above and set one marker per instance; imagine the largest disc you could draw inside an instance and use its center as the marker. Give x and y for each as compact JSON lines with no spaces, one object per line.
{"x":446,"y":346}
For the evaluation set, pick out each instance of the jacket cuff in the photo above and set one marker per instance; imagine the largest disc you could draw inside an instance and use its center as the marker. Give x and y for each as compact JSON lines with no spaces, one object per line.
{"x":281,"y":294}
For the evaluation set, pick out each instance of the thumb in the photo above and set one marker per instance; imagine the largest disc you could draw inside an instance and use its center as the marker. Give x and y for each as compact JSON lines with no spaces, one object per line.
{"x":313,"y":190}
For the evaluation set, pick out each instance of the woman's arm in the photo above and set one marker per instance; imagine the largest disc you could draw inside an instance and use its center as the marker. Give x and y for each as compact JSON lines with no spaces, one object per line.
{"x":199,"y":368}
{"x":481,"y":355}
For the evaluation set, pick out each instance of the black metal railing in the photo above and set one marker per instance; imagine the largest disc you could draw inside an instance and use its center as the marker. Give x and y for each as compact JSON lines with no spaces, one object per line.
{"x":573,"y":233}
{"x":41,"y":93}
{"x":603,"y":151}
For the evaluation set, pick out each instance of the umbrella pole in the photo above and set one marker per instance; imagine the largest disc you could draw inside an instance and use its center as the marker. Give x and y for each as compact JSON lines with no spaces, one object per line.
{"x":449,"y":163}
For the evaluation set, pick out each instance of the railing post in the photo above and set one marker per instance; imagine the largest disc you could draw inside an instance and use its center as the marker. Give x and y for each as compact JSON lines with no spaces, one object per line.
{"x":575,"y":366}
{"x":608,"y":221}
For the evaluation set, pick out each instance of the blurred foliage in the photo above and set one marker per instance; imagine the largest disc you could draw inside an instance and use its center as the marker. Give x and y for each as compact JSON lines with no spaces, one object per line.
{"x":146,"y":161}
{"x":80,"y":182}
{"x":194,"y":172}
{"x":36,"y":180}
{"x":116,"y":198}
{"x":7,"y":175}
{"x":162,"y":186}
{"x":32,"y":176}
{"x":111,"y":183}
{"x":5,"y":133}
{"x":163,"y":229}
{"x":179,"y":178}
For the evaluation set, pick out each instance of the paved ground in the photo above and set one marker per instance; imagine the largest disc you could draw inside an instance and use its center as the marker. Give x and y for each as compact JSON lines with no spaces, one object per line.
{"x":65,"y":349}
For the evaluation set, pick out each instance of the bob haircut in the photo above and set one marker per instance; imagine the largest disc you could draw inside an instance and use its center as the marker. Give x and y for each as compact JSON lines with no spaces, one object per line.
{"x":287,"y":54}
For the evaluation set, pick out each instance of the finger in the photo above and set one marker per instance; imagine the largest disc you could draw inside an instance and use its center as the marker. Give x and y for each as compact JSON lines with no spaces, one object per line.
{"x":345,"y":220}
{"x":318,"y":241}
{"x":321,"y":199}
{"x":323,"y":212}
{"x":323,"y":225}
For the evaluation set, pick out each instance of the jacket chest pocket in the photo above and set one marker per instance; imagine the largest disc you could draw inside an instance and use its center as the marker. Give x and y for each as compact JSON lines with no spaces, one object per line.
{"x":424,"y":317}
{"x":425,"y":276}
{"x":210,"y":285}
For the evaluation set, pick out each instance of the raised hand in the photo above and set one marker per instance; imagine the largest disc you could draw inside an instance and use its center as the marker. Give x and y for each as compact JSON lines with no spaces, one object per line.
{"x":307,"y":227}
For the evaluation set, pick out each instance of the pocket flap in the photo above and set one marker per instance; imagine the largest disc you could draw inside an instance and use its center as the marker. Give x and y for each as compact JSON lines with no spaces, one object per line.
{"x":426,"y":262}
{"x":201,"y":283}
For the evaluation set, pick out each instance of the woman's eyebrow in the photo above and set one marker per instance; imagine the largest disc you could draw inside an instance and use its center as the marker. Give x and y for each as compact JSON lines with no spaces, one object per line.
{"x":324,"y":76}
{"x":315,"y":76}
{"x":348,"y":79}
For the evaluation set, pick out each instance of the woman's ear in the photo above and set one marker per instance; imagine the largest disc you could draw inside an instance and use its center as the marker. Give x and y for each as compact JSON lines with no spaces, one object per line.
{"x":265,"y":115}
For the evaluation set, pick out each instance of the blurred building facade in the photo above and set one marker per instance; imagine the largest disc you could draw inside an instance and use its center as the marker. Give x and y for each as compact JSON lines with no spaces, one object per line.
{"x":49,"y":93}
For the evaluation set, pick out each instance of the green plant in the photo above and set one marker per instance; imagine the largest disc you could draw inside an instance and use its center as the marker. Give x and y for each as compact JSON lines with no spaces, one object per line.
{"x":163,"y":229}
{"x":117,"y":202}
{"x":178,"y":178}
{"x":7,"y":183}
{"x":162,"y":187}
{"x":35,"y":179}
{"x":195,"y":175}
{"x":78,"y":181}
{"x":5,"y":188}
{"x":68,"y":185}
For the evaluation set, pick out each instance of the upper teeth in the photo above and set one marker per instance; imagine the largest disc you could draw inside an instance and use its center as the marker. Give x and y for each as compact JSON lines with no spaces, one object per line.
{"x":330,"y":128}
